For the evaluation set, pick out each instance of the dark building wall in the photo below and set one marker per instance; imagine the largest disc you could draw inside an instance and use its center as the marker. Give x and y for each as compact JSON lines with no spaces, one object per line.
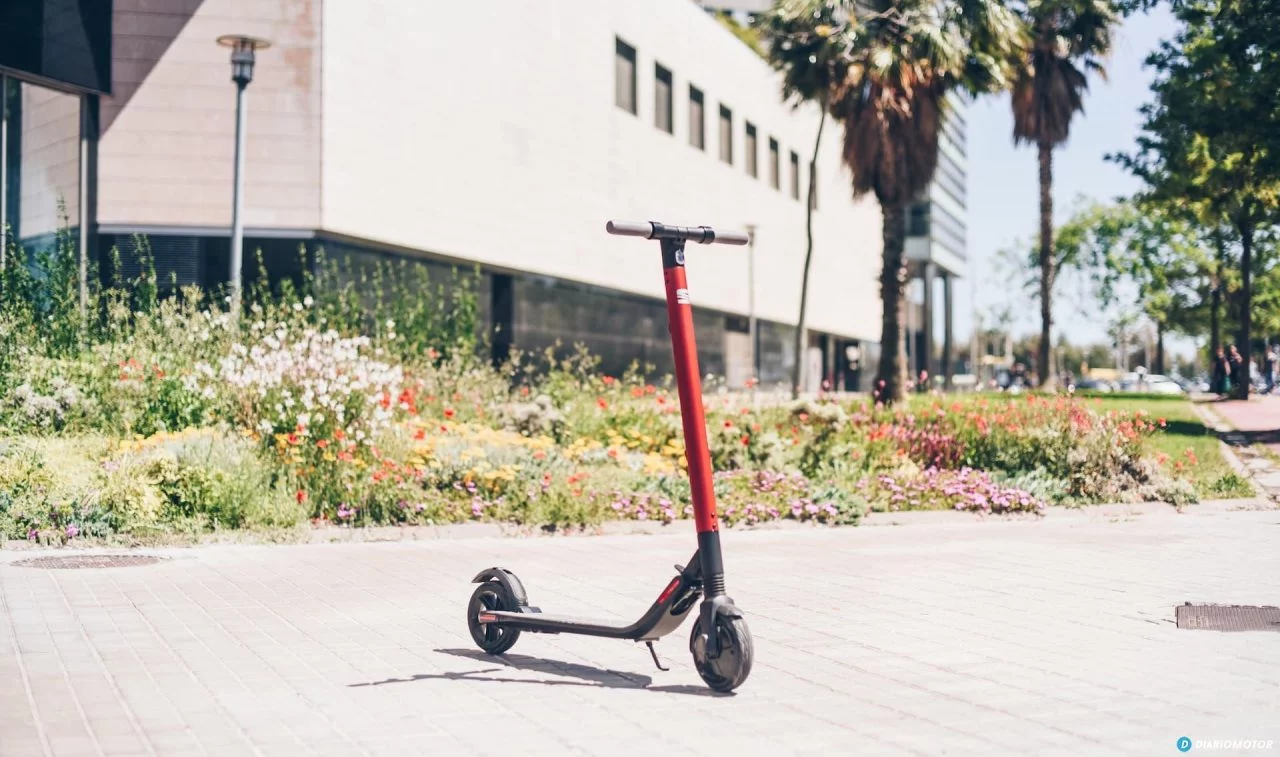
{"x":514,"y":311}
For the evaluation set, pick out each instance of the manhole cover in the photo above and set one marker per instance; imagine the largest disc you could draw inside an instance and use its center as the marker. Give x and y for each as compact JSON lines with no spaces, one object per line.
{"x":1228,"y":617}
{"x":71,"y":562}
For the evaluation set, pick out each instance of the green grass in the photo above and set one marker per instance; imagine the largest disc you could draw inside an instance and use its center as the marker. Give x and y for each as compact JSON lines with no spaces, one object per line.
{"x":1212,"y":477}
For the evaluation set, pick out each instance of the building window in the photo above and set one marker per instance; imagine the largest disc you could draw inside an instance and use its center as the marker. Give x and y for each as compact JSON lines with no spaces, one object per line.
{"x":697,"y":121}
{"x":918,"y":220}
{"x":726,"y":135}
{"x":662,"y":99}
{"x":775,"y":169}
{"x":625,"y":76}
{"x":813,"y":184}
{"x":751,"y":150}
{"x":795,"y":176}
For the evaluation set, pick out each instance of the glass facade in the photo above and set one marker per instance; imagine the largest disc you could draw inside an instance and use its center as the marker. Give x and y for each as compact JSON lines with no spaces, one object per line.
{"x":537,"y":313}
{"x":939,"y":216}
{"x":40,"y":170}
{"x":60,"y":41}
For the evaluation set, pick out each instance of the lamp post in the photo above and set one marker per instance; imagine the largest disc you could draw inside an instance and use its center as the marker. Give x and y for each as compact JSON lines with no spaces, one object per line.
{"x":242,"y":59}
{"x":751,"y":301}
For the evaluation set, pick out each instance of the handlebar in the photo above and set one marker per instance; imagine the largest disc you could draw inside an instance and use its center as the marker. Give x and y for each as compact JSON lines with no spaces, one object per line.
{"x":654,"y":230}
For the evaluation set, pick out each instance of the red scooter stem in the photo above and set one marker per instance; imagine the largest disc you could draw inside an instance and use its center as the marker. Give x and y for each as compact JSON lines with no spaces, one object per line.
{"x":689,"y":385}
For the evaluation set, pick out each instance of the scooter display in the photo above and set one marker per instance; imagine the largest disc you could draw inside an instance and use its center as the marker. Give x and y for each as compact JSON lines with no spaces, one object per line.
{"x":499,"y":610}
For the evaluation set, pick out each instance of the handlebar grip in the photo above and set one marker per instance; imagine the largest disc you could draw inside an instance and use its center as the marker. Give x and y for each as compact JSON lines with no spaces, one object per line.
{"x":628,"y":229}
{"x":731,"y":237}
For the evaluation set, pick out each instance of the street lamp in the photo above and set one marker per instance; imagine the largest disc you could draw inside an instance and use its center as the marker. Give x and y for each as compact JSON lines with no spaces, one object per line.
{"x":751,"y":302}
{"x":242,"y":59}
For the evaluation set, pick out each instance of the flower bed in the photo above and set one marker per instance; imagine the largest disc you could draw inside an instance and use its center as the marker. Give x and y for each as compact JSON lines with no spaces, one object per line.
{"x":174,"y":419}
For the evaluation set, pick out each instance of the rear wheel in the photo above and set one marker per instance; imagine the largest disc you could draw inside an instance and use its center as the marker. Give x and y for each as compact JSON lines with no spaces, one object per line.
{"x":491,"y":637}
{"x":728,"y":671}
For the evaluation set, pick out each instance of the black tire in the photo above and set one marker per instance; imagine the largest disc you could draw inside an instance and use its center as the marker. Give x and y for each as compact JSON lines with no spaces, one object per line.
{"x":492,"y":638}
{"x":728,"y":671}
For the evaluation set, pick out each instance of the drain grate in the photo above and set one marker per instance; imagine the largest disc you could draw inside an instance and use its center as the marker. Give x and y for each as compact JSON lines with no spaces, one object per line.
{"x":73,"y":562}
{"x":1228,"y":617}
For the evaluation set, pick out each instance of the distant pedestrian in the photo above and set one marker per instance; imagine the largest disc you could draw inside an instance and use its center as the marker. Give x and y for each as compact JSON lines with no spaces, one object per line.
{"x":1269,"y":365}
{"x":1239,"y":371}
{"x":1218,"y":373}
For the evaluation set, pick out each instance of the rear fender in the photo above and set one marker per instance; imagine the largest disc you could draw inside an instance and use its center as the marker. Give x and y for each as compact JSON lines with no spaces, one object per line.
{"x":508,"y":581}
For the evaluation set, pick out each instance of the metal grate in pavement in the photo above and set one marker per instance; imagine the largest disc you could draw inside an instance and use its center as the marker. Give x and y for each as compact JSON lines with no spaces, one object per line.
{"x":71,"y":562}
{"x":1228,"y":617}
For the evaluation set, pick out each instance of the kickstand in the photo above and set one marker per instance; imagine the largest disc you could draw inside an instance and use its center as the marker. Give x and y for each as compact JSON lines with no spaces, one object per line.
{"x":654,"y":652}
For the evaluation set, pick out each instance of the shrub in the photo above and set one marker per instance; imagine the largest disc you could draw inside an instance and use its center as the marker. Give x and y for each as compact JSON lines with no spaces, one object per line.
{"x":48,"y":489}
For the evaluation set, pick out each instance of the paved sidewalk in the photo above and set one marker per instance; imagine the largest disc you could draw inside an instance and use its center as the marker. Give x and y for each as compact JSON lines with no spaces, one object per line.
{"x":1259,"y":417}
{"x":1014,"y":638}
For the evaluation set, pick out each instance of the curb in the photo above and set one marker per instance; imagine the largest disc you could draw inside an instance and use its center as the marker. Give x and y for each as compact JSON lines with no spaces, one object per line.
{"x":470,"y":531}
{"x":1261,"y":470}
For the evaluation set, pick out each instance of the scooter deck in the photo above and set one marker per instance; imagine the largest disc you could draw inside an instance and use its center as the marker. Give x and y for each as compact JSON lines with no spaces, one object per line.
{"x":542,"y":623}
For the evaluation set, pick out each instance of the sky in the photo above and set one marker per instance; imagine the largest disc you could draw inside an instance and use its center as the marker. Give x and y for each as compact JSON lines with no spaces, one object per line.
{"x":1003,"y":199}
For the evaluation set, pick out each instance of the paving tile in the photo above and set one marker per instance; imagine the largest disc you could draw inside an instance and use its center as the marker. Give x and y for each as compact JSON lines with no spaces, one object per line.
{"x":997,"y":638}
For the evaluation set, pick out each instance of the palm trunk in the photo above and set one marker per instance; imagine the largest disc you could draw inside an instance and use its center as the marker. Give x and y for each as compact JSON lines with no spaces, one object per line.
{"x":797,"y":372}
{"x":891,"y":376}
{"x":1246,"y":306}
{"x":1046,"y":261}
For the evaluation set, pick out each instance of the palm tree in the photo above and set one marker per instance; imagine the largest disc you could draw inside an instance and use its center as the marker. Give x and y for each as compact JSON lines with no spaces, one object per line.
{"x":903,"y":58}
{"x":1069,"y":38}
{"x":806,"y":45}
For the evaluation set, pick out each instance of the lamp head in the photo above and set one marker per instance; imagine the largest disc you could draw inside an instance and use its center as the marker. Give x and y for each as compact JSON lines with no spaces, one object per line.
{"x":243,"y":48}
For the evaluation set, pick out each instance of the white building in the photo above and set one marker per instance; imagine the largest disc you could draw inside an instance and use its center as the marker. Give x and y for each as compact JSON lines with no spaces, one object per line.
{"x":502,"y":134}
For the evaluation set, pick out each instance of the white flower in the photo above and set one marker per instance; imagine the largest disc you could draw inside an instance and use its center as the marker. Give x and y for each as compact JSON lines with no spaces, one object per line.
{"x":390,"y":324}
{"x":297,"y":307}
{"x":303,"y":419}
{"x":308,"y":301}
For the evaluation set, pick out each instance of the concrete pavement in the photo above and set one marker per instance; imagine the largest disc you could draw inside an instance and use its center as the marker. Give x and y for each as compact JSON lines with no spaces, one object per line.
{"x":1051,"y":637}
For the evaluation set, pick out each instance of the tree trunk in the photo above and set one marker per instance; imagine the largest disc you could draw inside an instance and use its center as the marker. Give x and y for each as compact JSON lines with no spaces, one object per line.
{"x":891,"y":376}
{"x":1246,"y":306}
{"x":1215,"y":302}
{"x":1160,"y":349}
{"x":1046,"y":261}
{"x":802,"y":344}
{"x":1215,"y":330}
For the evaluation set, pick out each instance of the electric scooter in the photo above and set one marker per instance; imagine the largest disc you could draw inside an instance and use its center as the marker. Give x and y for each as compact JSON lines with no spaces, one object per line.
{"x":720,"y":642}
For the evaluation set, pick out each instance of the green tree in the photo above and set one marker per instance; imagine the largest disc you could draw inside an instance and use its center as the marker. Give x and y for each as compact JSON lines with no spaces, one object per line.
{"x":1160,"y":253}
{"x":903,"y":58}
{"x":1211,"y":139}
{"x":806,"y":44}
{"x":1069,"y":38}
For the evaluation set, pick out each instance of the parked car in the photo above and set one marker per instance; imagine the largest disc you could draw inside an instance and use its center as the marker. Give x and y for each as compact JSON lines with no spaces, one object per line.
{"x":1158,"y":384}
{"x":1094,"y":385}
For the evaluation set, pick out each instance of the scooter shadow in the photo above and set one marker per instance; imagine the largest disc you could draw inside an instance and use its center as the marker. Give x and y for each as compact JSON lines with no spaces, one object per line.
{"x":588,"y":676}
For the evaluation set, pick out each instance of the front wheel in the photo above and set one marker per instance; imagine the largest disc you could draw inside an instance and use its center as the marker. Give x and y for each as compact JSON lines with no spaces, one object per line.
{"x":491,"y":637}
{"x":728,"y":671}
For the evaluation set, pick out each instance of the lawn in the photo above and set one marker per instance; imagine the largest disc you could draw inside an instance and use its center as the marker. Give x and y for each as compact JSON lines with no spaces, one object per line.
{"x":1212,"y":475}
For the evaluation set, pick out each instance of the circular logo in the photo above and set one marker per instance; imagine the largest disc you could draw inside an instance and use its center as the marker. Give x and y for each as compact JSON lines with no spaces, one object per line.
{"x":1184,"y":744}
{"x":679,"y":257}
